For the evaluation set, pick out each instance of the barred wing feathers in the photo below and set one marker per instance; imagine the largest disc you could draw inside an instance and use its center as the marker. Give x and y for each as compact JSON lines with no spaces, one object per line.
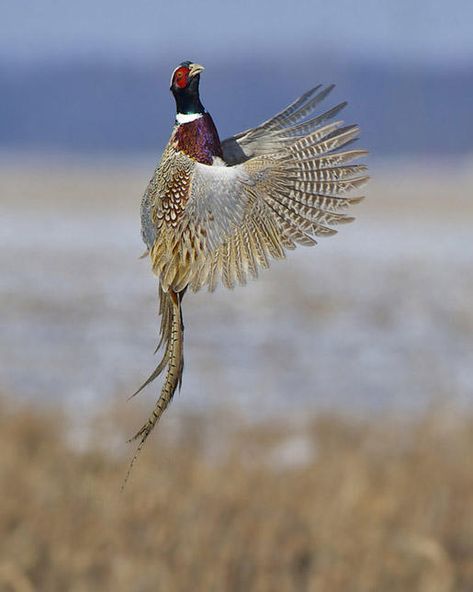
{"x":268,"y":135}
{"x":254,"y":211}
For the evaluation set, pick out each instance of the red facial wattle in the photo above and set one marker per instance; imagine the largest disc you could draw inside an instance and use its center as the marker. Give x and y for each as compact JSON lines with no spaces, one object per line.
{"x":181,"y":77}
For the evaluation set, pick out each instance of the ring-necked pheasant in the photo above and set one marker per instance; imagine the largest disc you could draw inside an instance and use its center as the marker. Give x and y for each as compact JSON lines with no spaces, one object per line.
{"x":221,"y":210}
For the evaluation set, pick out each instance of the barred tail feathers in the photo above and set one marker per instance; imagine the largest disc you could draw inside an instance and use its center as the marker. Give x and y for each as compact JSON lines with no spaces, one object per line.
{"x":172,"y":337}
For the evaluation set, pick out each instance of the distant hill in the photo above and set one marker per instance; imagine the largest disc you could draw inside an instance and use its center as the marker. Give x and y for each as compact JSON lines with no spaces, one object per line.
{"x":91,"y":107}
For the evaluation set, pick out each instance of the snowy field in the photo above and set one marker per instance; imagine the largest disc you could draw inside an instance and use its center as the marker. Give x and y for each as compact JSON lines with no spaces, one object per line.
{"x":379,"y":317}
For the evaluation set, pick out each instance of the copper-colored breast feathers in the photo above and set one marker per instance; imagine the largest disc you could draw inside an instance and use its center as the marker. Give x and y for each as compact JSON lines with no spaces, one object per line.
{"x":199,"y":140}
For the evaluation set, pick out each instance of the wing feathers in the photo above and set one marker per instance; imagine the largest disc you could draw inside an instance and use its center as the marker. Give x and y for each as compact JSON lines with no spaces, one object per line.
{"x":302,"y":129}
{"x":286,"y":182}
{"x":264,"y":138}
{"x":287,"y":114}
{"x":292,"y":115}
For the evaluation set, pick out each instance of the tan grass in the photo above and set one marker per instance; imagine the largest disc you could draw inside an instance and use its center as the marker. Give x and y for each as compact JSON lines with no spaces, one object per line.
{"x":216,"y":504}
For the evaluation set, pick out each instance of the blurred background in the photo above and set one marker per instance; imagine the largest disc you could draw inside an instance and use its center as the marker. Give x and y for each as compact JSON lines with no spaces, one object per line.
{"x":342,"y":378}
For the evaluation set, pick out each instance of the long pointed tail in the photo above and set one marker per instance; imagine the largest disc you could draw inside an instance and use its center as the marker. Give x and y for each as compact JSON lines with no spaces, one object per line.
{"x":172,"y":338}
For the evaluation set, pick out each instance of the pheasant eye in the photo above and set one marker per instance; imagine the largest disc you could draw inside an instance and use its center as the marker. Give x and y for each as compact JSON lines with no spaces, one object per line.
{"x":181,"y":77}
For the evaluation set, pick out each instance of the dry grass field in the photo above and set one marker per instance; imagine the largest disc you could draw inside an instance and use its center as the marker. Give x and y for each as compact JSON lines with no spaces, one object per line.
{"x":217,"y":504}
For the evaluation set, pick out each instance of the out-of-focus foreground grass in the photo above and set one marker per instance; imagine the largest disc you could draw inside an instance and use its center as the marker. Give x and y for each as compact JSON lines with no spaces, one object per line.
{"x":216,"y":504}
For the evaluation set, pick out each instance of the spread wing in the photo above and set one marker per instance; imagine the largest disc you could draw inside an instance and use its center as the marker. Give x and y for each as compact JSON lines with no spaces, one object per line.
{"x":286,"y":183}
{"x":270,"y":134}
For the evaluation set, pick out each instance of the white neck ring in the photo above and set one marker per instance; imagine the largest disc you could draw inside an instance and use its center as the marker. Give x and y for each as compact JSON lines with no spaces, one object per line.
{"x":187,"y":117}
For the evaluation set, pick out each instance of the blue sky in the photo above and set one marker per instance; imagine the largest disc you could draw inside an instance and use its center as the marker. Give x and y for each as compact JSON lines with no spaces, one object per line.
{"x":406,"y":31}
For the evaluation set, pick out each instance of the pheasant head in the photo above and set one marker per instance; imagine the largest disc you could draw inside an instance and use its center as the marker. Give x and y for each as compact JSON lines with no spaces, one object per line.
{"x":185,"y":88}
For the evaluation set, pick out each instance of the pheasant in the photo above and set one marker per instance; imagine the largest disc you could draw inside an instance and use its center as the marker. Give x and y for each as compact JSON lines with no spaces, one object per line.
{"x":219,"y":211}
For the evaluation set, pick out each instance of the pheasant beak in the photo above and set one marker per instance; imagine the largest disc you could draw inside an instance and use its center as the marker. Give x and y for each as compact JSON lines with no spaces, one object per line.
{"x":195,"y":69}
